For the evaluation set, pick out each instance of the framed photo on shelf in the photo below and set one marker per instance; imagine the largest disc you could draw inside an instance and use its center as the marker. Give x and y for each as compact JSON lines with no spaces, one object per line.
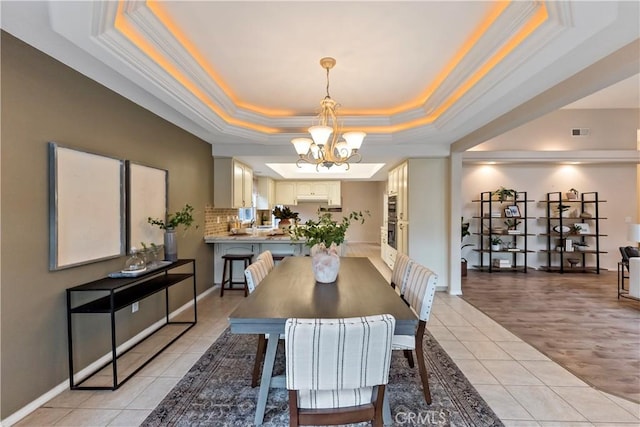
{"x":584,"y":228}
{"x":508,"y":213}
{"x":515,"y":211}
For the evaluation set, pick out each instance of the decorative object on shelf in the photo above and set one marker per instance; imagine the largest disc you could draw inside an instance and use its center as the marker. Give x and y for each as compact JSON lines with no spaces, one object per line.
{"x":323,"y":237}
{"x":561,"y":229}
{"x":135,"y":263}
{"x":464,"y":232}
{"x":285,"y":215}
{"x":633,"y":233}
{"x":572,"y":194}
{"x":575,"y":228}
{"x":512,"y":224}
{"x":496,"y":243}
{"x":504,"y":194}
{"x":182,"y":217}
{"x":580,"y":246}
{"x":573,"y":262}
{"x":562,"y":210}
{"x":514,"y":210}
{"x":325,"y":148}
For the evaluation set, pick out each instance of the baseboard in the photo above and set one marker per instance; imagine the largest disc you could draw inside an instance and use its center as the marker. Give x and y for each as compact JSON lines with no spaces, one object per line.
{"x":84,"y":373}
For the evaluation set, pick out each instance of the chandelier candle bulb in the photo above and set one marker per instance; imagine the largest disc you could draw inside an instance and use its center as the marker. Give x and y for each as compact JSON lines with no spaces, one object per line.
{"x":325,"y":148}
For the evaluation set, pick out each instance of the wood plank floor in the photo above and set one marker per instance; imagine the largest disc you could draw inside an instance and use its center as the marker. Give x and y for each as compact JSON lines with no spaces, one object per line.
{"x":574,"y":319}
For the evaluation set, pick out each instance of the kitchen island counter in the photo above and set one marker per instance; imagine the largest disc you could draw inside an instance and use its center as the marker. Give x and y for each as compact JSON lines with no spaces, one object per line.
{"x":223,"y":244}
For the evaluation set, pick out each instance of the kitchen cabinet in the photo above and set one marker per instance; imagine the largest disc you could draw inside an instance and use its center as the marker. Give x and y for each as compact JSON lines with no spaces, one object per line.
{"x":266,"y":194}
{"x":402,"y":237}
{"x":285,"y":193}
{"x":312,"y":189}
{"x":383,"y":243}
{"x":403,"y":199}
{"x":335,"y":194}
{"x":233,"y":184}
{"x":398,"y":185}
{"x":392,"y":183}
{"x":292,"y":192}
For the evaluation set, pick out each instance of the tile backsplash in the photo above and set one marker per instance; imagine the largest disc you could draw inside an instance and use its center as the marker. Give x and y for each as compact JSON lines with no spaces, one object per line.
{"x":215,"y":220}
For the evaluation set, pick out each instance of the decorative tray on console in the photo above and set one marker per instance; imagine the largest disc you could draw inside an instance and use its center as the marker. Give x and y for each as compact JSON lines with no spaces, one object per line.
{"x":135,"y":273}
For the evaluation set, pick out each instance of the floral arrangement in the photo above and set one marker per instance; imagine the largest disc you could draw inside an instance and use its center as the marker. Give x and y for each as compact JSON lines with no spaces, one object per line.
{"x":182,"y":217}
{"x":326,"y":231}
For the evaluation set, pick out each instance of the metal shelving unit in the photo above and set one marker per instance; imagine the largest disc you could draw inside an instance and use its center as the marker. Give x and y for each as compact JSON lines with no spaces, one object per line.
{"x":588,"y":260}
{"x":492,"y":210}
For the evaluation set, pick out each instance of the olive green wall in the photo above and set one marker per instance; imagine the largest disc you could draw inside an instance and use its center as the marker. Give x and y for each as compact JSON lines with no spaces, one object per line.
{"x":44,"y":100}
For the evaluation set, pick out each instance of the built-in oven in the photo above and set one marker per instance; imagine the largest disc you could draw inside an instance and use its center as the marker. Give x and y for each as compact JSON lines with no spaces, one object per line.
{"x":391,"y":233}
{"x":392,"y":208}
{"x":392,"y":220}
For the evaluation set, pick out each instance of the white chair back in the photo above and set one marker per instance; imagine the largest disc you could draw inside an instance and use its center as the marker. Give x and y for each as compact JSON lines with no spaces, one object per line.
{"x":255,"y":273}
{"x":401,"y":271}
{"x":267,"y":257}
{"x":420,"y":290}
{"x":335,"y":363}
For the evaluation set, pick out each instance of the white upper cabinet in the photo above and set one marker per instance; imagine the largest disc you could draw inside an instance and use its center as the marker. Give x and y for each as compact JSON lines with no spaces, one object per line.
{"x":398,"y":186}
{"x":266,"y":196}
{"x":233,"y":183}
{"x":318,"y":189}
{"x":293,"y":192}
{"x":286,"y":193}
{"x":335,"y":194}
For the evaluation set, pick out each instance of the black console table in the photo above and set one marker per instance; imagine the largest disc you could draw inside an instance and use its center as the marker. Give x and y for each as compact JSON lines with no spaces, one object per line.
{"x":116,"y":294}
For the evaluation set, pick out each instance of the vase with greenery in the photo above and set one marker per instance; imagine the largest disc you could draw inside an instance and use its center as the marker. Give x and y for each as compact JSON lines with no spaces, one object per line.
{"x":285,"y":215}
{"x":183,"y":217}
{"x":324,"y":236}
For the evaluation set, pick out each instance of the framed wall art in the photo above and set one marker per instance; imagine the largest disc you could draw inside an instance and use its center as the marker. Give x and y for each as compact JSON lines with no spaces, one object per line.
{"x":86,"y":207}
{"x":146,"y":197}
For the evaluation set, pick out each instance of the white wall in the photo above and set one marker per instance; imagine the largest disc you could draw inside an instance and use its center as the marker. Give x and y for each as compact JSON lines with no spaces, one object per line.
{"x":429,"y":215}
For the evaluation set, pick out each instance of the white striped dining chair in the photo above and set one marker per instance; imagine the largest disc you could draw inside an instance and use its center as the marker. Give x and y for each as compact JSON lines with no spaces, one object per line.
{"x":267,"y":256}
{"x":400,"y":272}
{"x":255,"y":274}
{"x":418,"y":293}
{"x":337,"y":369}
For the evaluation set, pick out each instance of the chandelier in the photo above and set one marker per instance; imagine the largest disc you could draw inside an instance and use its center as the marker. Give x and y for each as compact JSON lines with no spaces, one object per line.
{"x":325,"y":147}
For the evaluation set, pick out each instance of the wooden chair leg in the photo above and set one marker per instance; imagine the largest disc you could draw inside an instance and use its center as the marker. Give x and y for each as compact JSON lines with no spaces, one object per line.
{"x":422,"y":368}
{"x":293,"y":408}
{"x":257,"y":364}
{"x":409,"y":355}
{"x":378,"y":419}
{"x":224,"y":275}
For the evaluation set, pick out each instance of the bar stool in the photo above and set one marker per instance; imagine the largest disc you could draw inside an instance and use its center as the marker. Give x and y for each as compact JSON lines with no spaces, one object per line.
{"x":228,"y":266}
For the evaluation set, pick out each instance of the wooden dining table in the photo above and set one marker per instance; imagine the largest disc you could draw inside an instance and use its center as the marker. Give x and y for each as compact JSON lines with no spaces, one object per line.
{"x":290,"y":290}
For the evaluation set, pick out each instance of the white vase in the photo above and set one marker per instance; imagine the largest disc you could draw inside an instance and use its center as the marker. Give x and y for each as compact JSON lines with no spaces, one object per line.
{"x":325,"y":263}
{"x":170,"y":245}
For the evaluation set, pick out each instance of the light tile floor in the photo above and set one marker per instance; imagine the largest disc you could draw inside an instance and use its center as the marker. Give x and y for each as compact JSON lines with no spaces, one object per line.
{"x":521,"y":385}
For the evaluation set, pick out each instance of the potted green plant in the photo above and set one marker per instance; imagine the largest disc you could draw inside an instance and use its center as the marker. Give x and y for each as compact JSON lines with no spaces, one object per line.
{"x":504,"y":194}
{"x":464,"y":232}
{"x":170,"y":224}
{"x":323,"y":237}
{"x":285,"y":215}
{"x":496,"y":243}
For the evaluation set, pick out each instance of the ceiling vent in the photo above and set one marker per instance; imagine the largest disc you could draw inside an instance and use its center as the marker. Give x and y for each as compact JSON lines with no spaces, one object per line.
{"x":579,"y":132}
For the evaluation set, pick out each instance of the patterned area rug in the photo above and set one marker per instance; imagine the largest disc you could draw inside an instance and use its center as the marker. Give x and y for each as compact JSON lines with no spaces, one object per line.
{"x":217,"y":392}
